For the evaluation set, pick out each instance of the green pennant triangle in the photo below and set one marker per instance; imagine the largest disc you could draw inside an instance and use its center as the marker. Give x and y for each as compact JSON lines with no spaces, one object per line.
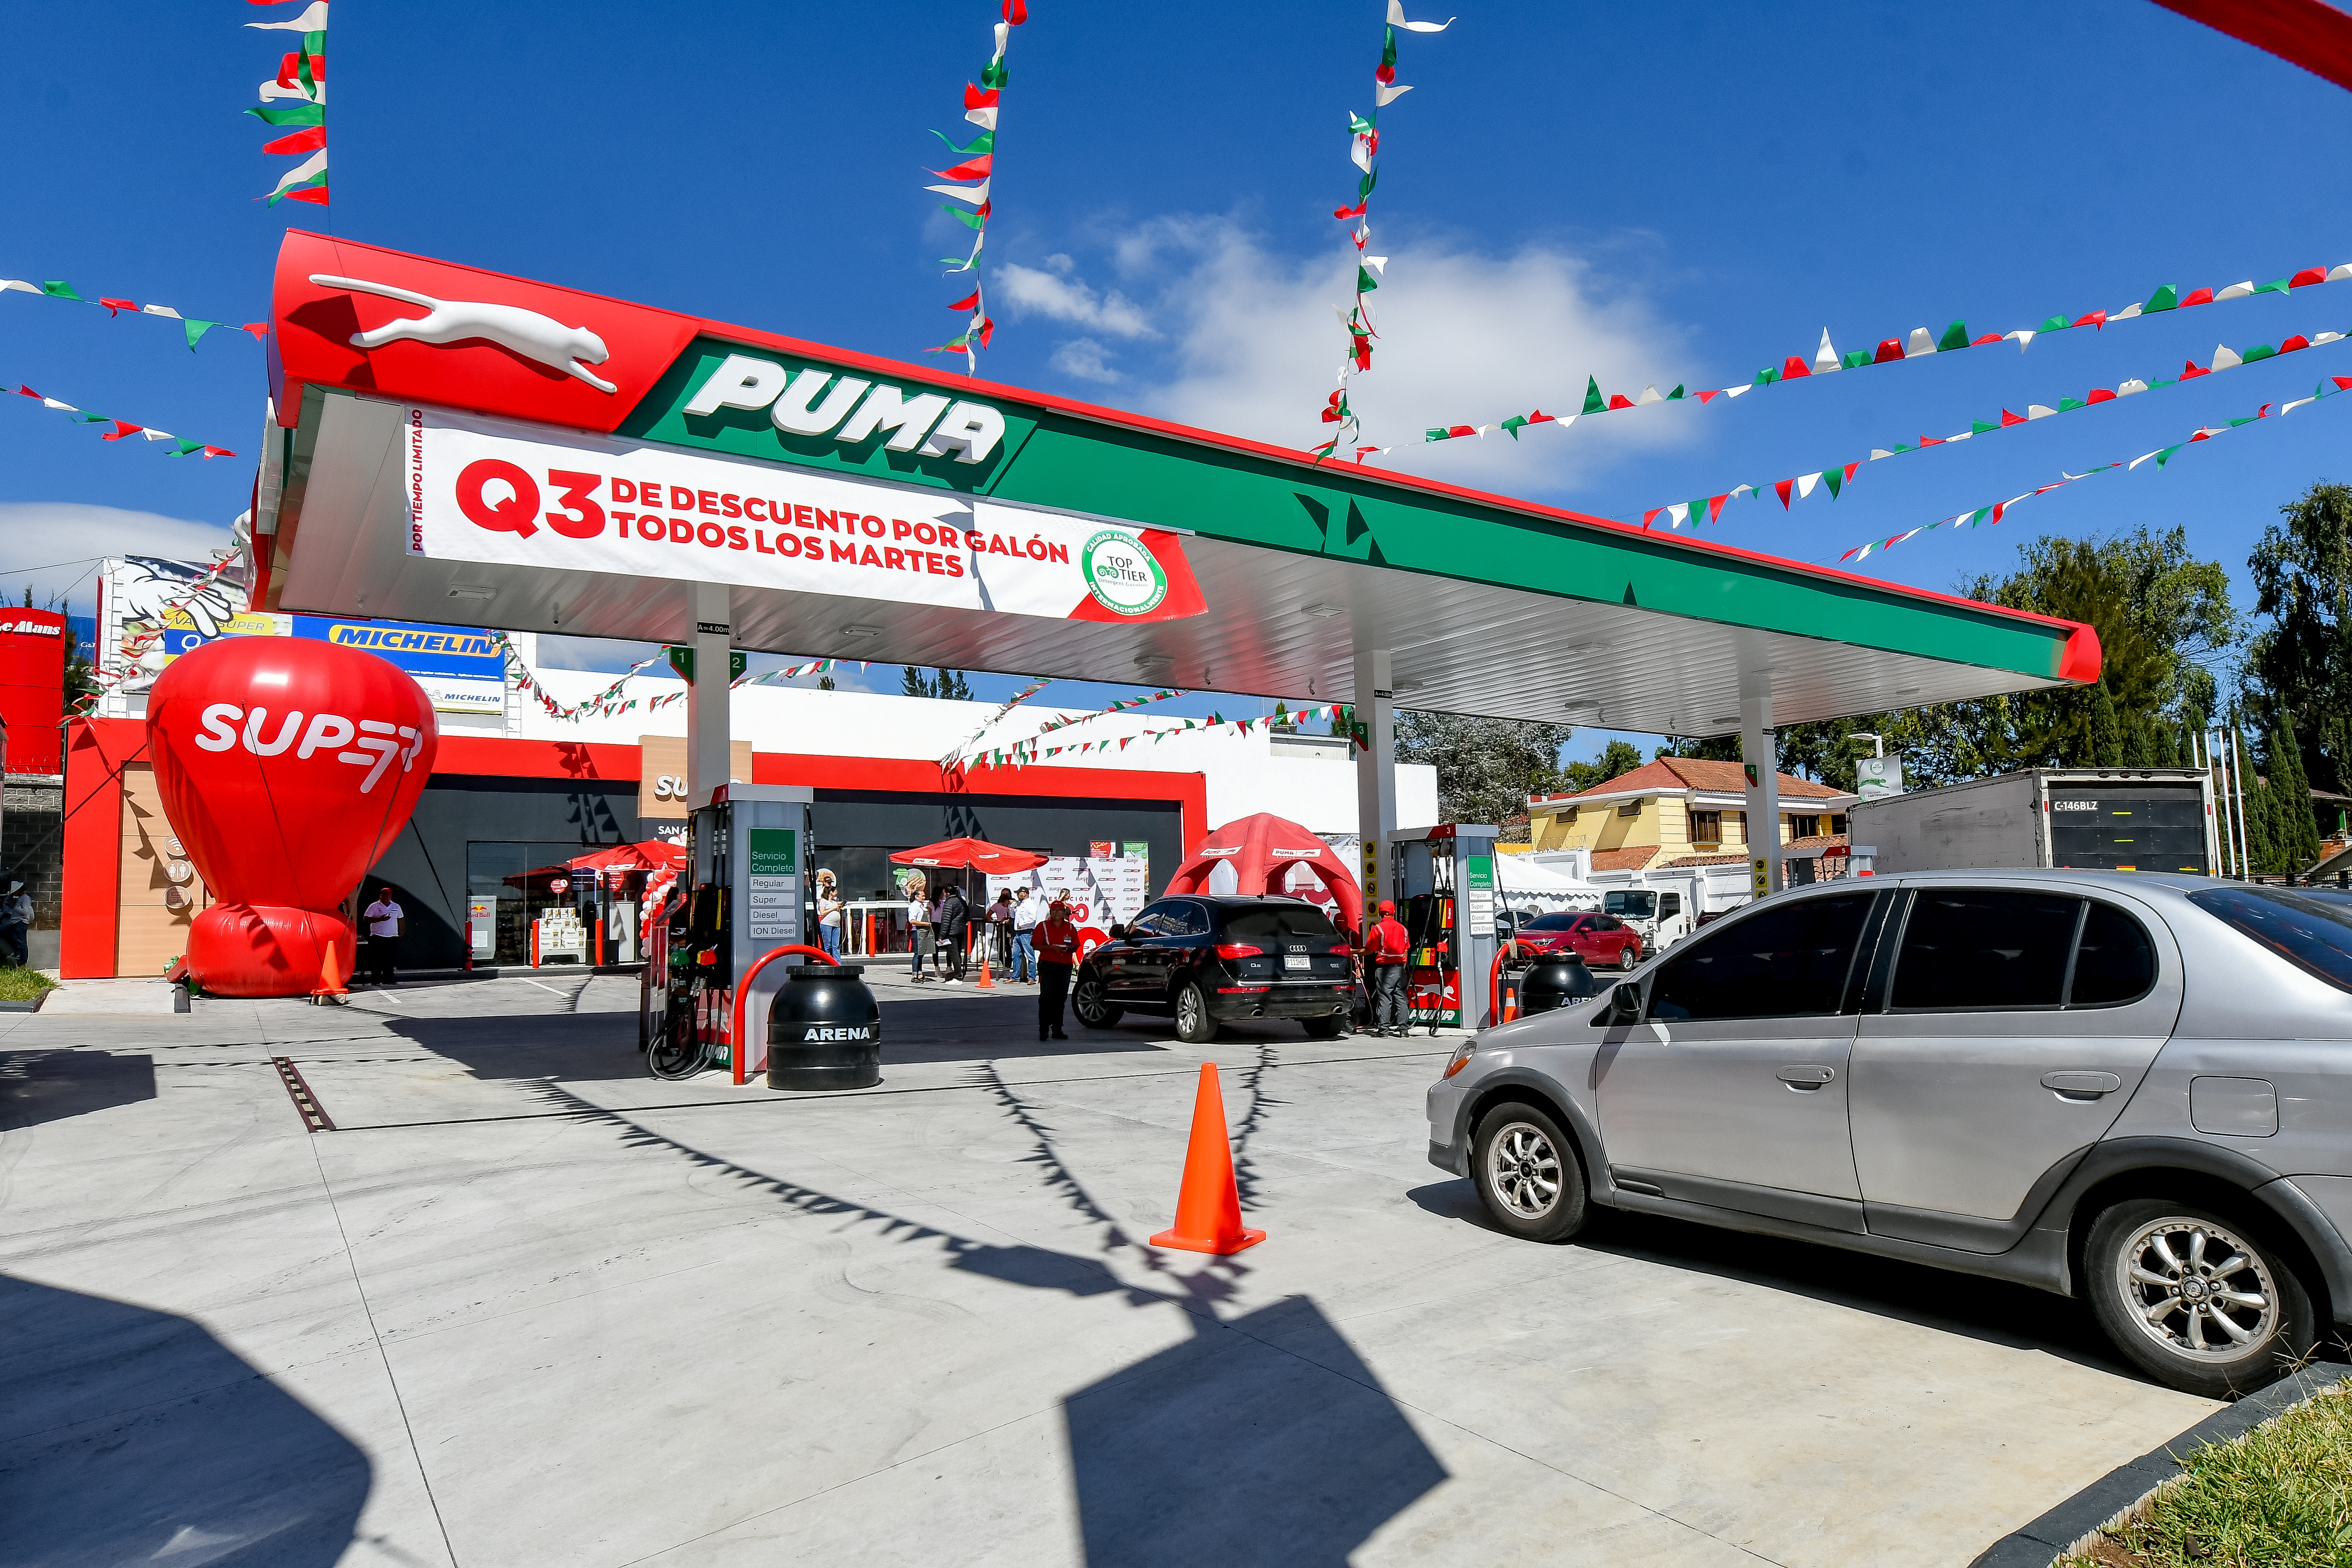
{"x":61,"y":291}
{"x":2068,"y":405}
{"x":968,"y":220}
{"x":1767,"y":376}
{"x":2165,"y":455}
{"x":303,"y":114}
{"x":1513,"y":424}
{"x":1593,"y":399}
{"x":2277,"y":287}
{"x":1979,"y":427}
{"x":2259,"y":351}
{"x":1854,"y":359}
{"x":2165,"y":298}
{"x":1956,"y":336}
{"x":195,"y":329}
{"x":1677,"y":392}
{"x":2054,"y":324}
{"x":1835,"y":478}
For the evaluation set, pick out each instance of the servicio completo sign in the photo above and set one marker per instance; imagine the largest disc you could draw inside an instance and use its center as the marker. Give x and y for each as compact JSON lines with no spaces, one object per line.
{"x":500,"y":493}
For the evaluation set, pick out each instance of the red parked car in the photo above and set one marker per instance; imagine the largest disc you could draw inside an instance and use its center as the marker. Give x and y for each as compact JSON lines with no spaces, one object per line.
{"x":1596,"y":939}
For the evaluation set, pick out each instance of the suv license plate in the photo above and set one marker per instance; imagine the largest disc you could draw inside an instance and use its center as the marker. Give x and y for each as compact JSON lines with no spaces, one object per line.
{"x":1297,"y":960}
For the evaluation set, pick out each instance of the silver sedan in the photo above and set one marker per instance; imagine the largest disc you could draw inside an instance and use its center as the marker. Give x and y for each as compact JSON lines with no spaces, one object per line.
{"x":2134,"y":1089}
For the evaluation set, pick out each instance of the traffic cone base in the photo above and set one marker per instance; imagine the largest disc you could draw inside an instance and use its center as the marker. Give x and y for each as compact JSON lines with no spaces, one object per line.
{"x":330,"y":978}
{"x":1208,"y":1206}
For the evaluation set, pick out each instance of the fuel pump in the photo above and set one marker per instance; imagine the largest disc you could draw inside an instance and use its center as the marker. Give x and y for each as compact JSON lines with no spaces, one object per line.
{"x":750,"y":866}
{"x":1443,"y":880}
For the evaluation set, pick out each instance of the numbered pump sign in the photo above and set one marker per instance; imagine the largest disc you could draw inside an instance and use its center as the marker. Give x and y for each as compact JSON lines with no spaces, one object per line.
{"x":486,"y":490}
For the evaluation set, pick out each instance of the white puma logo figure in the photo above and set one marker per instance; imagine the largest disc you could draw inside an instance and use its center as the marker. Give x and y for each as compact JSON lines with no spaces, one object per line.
{"x":539,"y":338}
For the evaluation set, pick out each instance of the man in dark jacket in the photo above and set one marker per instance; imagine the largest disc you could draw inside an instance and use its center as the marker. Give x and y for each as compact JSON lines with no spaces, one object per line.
{"x":1386,"y":944}
{"x":955,"y":913}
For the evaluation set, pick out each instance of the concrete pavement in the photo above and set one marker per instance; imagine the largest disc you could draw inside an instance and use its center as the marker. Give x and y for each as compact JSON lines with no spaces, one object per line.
{"x":529,"y":1306}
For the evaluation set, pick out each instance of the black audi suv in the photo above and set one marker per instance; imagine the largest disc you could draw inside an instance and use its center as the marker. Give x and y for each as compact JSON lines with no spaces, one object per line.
{"x":1208,"y":961}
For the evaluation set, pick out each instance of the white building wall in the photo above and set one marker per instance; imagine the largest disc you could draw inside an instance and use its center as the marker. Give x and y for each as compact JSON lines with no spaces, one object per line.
{"x":1243,"y":774}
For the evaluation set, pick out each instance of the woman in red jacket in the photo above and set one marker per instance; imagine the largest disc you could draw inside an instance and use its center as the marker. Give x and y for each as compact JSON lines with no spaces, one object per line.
{"x":1056,"y":942}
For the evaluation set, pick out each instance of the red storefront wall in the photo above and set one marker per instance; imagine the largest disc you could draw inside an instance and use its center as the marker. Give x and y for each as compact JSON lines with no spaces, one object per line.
{"x":32,"y":687}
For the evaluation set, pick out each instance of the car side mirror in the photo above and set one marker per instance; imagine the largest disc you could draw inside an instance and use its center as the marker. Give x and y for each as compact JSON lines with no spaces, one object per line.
{"x":1624,"y":1006}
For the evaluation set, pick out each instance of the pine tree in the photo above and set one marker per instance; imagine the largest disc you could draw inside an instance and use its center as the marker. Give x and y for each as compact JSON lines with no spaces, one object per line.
{"x":2297,"y":827}
{"x":912,"y":684}
{"x":951,"y":685}
{"x":2139,"y":747}
{"x":824,"y":683}
{"x":2106,"y":741}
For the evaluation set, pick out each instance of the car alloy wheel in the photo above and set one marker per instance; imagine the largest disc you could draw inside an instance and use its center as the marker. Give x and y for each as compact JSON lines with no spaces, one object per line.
{"x":2197,"y":1289}
{"x":1523,"y":1169}
{"x":1528,"y":1176}
{"x":1193,"y":1025}
{"x":1092,"y":1007}
{"x":2199,"y":1300}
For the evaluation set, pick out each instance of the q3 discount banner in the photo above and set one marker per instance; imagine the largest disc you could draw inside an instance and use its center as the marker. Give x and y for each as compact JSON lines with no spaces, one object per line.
{"x":486,"y":490}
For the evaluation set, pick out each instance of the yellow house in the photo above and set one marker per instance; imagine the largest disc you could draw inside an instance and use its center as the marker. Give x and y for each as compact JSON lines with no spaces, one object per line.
{"x":1679,"y":811}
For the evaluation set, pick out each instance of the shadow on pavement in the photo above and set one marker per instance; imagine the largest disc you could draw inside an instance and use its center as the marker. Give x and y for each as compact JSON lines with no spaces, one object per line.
{"x":1212,"y":1453}
{"x":48,"y":1085}
{"x":134,"y":1436}
{"x":1993,"y":1310}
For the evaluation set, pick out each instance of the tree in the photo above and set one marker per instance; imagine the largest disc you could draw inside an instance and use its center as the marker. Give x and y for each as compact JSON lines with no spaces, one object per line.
{"x":824,"y":683}
{"x":2162,"y":618}
{"x":945,"y":683}
{"x":1617,"y":759}
{"x":2301,"y":660}
{"x":2295,"y":827}
{"x":1486,"y":768}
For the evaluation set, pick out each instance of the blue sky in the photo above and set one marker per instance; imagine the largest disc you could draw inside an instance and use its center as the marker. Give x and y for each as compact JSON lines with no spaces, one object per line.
{"x":1664,"y":192}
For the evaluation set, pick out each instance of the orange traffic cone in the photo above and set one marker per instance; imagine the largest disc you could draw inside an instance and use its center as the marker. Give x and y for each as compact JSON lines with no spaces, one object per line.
{"x":330,"y":978}
{"x":985,"y":983}
{"x":1209,"y":1207}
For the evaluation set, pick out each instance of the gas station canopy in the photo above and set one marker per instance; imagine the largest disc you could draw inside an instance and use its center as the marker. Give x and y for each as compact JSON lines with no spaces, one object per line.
{"x":495,"y":451}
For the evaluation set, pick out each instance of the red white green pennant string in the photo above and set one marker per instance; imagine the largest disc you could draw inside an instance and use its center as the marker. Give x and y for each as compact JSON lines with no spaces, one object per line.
{"x":1920,"y":343}
{"x":1029,"y":746}
{"x":1022,"y":753}
{"x":609,"y":702}
{"x":301,"y":75}
{"x":791,"y":673}
{"x":123,"y":427}
{"x":141,"y":636}
{"x":2161,"y":455}
{"x":1708,"y":509}
{"x":976,"y":162}
{"x":1363,"y":151}
{"x":195,"y":327}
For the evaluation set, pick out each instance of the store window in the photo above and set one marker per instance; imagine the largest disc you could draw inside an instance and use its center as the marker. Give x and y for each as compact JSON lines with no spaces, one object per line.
{"x":1706,"y":826}
{"x":512,"y":884}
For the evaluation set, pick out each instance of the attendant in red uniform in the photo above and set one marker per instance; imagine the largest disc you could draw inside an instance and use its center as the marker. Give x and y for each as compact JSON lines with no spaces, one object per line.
{"x":1057,"y":953}
{"x":1385,"y":947}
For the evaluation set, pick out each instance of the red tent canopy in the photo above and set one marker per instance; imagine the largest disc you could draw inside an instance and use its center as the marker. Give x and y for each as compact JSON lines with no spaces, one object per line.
{"x":653,"y":855}
{"x":1262,"y":850}
{"x":977,"y":854}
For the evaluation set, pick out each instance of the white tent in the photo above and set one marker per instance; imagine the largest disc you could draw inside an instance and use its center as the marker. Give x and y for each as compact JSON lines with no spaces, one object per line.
{"x":1523,"y":884}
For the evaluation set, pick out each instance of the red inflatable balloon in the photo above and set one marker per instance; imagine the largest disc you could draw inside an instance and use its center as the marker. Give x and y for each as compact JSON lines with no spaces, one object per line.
{"x":287,"y":765}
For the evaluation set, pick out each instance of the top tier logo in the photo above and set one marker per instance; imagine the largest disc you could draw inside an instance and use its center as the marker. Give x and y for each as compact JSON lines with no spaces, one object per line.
{"x":850,"y":409}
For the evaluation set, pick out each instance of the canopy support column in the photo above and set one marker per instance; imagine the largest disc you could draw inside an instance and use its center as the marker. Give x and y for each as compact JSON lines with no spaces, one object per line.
{"x":1759,"y":757}
{"x":1376,"y":797}
{"x":707,"y":701}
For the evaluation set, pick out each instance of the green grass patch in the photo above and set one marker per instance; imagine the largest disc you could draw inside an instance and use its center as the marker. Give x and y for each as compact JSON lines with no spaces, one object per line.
{"x":2280,"y":1495}
{"x":24,"y":984}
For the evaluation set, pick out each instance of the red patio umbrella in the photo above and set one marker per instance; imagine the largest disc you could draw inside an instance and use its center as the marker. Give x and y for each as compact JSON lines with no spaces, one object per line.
{"x":972,"y":854}
{"x":653,"y":855}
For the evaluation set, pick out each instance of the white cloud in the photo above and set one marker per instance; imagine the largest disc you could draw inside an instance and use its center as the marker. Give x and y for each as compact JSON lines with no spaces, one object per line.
{"x":49,"y":535}
{"x":1062,"y":298}
{"x":1086,"y":359}
{"x":1467,"y":337}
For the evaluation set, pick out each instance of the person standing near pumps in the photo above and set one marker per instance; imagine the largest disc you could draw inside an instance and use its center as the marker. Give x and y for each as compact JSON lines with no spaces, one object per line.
{"x":1032,"y":910}
{"x":1386,"y":945}
{"x":919,"y":927}
{"x":828,"y":915}
{"x":1058,"y":955}
{"x":1000,"y":929}
{"x":384,"y":920}
{"x":955,"y":913}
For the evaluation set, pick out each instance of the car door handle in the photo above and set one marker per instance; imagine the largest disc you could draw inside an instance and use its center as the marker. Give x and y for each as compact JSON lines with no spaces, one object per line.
{"x":1806,"y":1076}
{"x":2089,"y":1084}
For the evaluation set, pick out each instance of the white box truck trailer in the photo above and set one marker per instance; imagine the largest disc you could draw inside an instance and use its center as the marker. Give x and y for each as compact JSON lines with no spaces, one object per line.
{"x":2110,"y":819}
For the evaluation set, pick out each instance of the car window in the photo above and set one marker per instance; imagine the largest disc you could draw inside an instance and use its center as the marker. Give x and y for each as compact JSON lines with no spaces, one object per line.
{"x":1606,"y":923}
{"x":2310,"y":928}
{"x":1279,"y":923}
{"x":1669,"y":905}
{"x":2113,"y":959}
{"x":1190,"y":919}
{"x":1977,"y":948}
{"x":1783,"y":961}
{"x":1160,"y":920}
{"x":1551,"y":922}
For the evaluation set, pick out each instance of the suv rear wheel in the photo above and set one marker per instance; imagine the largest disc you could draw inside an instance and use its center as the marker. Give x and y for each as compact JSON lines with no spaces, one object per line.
{"x":1527,"y":1175}
{"x":2199,"y":1301}
{"x":1193,"y":1025}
